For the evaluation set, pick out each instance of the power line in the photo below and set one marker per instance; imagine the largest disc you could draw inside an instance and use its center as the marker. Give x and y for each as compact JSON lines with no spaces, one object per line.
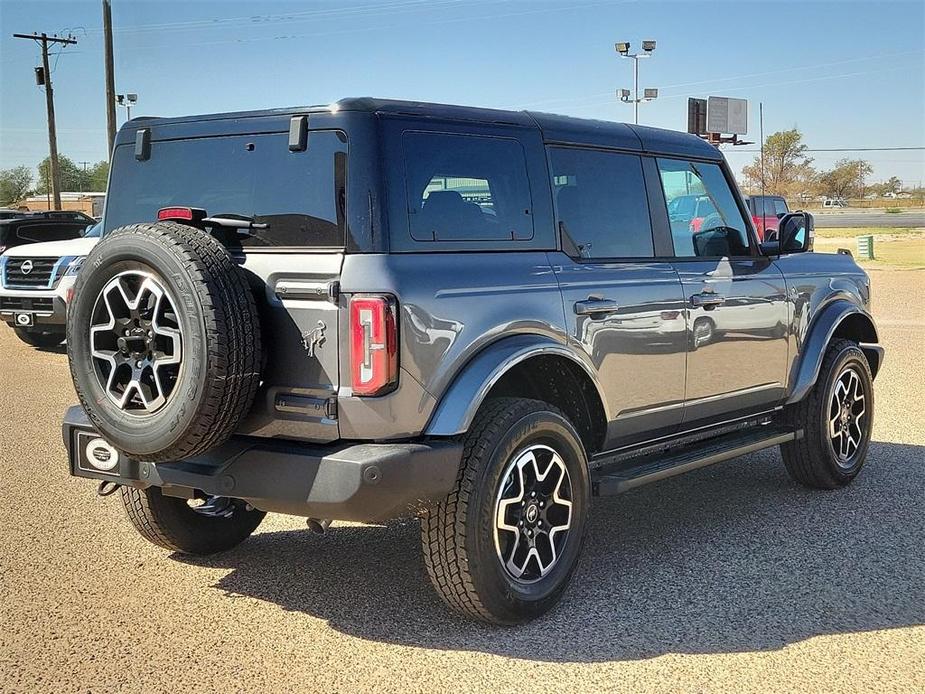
{"x":850,"y":149}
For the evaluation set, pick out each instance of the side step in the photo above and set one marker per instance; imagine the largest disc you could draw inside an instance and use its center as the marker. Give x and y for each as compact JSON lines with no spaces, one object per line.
{"x":635,"y":472}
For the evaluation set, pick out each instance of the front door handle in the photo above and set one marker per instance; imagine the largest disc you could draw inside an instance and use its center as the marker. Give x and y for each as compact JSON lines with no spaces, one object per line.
{"x":596,"y":308}
{"x":707,"y":300}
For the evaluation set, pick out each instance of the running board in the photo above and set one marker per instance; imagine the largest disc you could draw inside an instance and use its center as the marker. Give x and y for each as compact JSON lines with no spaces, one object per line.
{"x":616,"y":479}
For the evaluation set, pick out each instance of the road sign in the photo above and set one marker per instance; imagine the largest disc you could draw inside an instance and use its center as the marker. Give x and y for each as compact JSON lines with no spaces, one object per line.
{"x":726,"y":115}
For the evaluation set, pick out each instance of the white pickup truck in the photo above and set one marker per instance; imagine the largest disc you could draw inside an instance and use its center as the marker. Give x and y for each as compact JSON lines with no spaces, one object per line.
{"x":36,"y":282}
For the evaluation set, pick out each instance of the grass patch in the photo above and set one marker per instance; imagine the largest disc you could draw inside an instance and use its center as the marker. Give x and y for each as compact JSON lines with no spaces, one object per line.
{"x":893,"y":210}
{"x":846,"y":232}
{"x":904,"y":253}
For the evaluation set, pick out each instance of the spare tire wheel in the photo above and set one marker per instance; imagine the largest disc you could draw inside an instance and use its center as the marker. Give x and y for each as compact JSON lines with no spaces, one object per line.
{"x":163,"y":341}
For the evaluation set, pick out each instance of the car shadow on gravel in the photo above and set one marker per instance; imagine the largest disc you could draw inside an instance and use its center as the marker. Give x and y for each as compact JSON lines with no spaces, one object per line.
{"x":731,"y":558}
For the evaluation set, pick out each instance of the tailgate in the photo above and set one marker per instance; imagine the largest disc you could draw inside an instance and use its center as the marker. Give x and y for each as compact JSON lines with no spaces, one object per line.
{"x":298,"y":395}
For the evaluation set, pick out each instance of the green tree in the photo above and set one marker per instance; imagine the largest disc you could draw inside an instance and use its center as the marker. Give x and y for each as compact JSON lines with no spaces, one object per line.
{"x":68,"y":174}
{"x":15,"y":184}
{"x":787,"y":169}
{"x":846,"y":179}
{"x":99,"y":177}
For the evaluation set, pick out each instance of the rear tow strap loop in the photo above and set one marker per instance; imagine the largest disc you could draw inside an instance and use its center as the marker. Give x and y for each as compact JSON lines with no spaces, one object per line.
{"x":107,"y":487}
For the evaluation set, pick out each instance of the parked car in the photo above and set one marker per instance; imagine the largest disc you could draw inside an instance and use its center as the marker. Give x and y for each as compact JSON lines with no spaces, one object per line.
{"x":482,"y":318}
{"x":693,"y":209}
{"x":35,"y":227}
{"x":767,"y":211}
{"x":834,"y":203}
{"x":36,"y":282}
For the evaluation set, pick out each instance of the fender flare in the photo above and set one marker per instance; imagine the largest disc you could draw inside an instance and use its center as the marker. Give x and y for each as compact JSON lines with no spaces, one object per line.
{"x":806,"y":369}
{"x":459,"y":403}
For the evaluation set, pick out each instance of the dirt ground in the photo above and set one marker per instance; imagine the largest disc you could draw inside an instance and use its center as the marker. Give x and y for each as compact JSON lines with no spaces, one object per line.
{"x":731,"y":578}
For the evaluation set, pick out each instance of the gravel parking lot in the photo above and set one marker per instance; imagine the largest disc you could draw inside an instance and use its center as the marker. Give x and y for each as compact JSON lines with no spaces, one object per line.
{"x":730,"y":578}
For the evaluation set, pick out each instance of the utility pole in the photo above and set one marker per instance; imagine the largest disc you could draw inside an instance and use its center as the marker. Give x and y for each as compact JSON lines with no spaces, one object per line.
{"x":84,"y":177}
{"x":110,"y":75}
{"x":54,"y":178}
{"x":623,"y":48}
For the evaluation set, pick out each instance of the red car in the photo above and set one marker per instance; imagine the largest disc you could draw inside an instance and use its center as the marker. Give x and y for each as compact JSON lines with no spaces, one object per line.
{"x":766,"y":210}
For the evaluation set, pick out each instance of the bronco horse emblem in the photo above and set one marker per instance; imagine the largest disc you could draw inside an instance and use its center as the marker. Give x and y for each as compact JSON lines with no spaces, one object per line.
{"x":313,"y":339}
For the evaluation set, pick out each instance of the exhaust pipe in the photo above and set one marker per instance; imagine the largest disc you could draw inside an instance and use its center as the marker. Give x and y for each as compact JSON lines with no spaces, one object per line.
{"x":318,"y":525}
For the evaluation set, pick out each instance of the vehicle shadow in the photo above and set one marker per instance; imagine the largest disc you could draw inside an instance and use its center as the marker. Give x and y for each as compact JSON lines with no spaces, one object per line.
{"x":727,"y":559}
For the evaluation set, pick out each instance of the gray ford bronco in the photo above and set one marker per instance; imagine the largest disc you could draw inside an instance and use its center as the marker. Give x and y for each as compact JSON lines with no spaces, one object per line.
{"x":381,"y":309}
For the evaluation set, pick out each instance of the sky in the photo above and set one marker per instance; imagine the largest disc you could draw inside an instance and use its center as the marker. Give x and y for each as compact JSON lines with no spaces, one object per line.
{"x":847,"y":74}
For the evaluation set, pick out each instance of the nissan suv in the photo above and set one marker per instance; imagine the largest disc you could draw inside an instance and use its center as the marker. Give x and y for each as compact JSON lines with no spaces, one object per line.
{"x":382,"y":309}
{"x":37,"y":279}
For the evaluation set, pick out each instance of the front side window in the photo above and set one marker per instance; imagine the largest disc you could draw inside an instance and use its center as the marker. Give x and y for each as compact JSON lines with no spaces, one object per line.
{"x":601,"y":203}
{"x":466,"y":188}
{"x":299,"y":196}
{"x":705,"y":220}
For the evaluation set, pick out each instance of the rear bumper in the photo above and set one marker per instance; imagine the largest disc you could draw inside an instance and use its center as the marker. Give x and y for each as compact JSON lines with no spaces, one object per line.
{"x":357,"y":482}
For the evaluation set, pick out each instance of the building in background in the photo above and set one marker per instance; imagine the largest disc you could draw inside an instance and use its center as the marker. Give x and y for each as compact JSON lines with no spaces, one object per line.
{"x":88,"y":203}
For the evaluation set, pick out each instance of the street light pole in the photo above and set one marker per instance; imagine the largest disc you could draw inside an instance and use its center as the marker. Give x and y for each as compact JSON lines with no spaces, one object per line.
{"x":623,"y":48}
{"x":636,"y":89}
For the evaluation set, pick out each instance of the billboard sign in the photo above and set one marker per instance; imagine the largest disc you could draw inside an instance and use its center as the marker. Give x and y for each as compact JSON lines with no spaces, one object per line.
{"x":725,"y":115}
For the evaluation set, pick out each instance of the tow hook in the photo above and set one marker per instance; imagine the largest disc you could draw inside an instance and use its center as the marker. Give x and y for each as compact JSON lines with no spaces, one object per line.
{"x":318,"y":525}
{"x":107,"y":487}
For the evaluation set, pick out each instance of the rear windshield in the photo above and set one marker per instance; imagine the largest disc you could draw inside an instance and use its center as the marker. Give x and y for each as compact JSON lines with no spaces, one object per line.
{"x":300,"y":196}
{"x":768,"y":206}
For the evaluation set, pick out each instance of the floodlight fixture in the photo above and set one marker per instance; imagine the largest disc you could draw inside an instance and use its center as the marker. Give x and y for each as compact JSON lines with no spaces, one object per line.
{"x":622,"y":47}
{"x":650,"y":94}
{"x":648,"y":46}
{"x":131,"y":98}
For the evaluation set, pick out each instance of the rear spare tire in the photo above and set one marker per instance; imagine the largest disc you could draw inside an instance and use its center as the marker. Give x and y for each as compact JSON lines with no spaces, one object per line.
{"x":163,"y":341}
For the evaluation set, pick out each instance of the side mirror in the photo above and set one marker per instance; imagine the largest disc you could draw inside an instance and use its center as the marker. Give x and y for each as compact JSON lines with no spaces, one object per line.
{"x":796,"y":232}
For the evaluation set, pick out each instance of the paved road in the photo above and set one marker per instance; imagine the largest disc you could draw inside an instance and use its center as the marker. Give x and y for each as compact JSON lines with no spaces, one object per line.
{"x":861,"y":218}
{"x":731,"y":578}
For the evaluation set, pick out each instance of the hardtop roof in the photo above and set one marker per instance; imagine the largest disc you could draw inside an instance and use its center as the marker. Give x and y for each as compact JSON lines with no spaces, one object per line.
{"x":555,"y":128}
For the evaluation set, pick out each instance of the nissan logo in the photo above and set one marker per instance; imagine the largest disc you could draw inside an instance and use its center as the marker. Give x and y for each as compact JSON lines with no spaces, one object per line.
{"x":26,"y":267}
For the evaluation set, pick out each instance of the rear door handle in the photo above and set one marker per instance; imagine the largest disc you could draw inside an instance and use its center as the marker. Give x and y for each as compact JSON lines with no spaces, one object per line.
{"x":597,"y":308}
{"x":707,"y":300}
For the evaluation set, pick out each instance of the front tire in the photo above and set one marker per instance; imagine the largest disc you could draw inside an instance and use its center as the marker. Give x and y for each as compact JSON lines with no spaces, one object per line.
{"x":502,"y":546}
{"x":43,"y":339}
{"x":837,"y":418}
{"x":173,"y":524}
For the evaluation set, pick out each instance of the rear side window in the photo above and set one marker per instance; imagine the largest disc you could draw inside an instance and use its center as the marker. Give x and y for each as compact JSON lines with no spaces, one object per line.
{"x":601,"y":203}
{"x":711,"y":227}
{"x":300,"y":196}
{"x":466,"y":188}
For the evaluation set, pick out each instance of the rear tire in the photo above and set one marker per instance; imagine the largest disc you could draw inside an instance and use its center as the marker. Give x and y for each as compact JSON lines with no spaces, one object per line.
{"x":171,"y":523}
{"x":43,"y":339}
{"x":478,"y":542}
{"x":837,"y":419}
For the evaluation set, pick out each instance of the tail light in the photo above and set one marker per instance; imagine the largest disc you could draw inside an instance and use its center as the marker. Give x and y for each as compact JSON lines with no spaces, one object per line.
{"x":180,"y":214}
{"x":373,"y":344}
